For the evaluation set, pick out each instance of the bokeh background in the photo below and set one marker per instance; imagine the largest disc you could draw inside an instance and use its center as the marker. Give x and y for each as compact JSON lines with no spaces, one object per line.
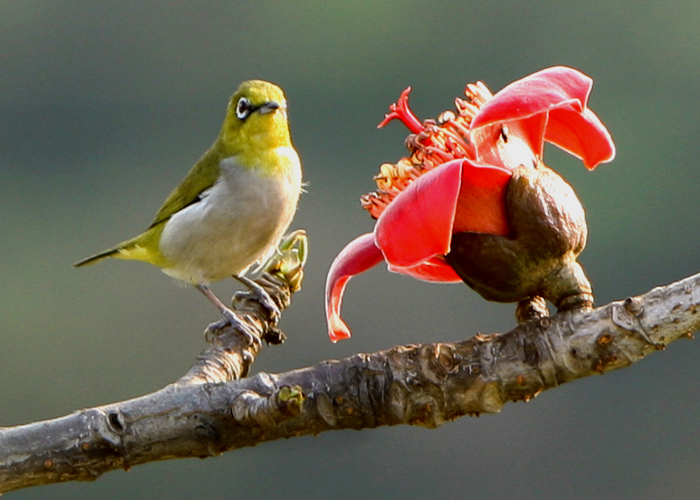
{"x":105,"y":105}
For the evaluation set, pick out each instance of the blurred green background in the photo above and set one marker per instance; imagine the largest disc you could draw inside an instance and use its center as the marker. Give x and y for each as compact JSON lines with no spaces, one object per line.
{"x":105,"y":105}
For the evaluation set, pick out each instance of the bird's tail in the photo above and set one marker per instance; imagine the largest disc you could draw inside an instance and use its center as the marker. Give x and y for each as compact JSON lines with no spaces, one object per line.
{"x":129,"y":250}
{"x":143,"y":247}
{"x":112,"y":252}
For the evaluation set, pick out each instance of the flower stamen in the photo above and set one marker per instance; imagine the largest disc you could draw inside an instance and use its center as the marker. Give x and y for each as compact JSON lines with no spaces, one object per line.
{"x":430,"y":143}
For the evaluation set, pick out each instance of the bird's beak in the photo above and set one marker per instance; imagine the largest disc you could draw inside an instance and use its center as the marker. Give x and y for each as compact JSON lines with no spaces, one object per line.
{"x":268,"y":107}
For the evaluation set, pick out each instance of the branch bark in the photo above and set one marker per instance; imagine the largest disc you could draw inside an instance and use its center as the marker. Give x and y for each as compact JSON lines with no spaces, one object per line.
{"x":212,"y":410}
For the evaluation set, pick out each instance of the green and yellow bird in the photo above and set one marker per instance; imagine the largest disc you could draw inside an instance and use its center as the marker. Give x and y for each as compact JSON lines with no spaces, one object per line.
{"x":234,"y":205}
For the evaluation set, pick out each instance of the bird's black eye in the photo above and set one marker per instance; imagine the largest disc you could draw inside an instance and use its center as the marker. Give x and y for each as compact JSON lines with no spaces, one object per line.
{"x":243,"y":108}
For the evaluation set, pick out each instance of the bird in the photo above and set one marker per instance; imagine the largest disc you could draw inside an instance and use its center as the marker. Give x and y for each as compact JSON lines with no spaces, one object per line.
{"x":233,"y":206}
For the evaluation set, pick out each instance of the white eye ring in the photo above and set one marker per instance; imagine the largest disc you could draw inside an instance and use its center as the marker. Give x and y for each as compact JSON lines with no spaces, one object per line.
{"x":243,"y":108}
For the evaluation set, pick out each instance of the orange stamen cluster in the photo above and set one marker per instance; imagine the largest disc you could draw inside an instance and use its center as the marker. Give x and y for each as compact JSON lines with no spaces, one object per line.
{"x":433,"y":143}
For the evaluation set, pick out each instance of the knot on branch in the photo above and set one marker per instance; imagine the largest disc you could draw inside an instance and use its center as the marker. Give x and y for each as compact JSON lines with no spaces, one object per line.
{"x":628,"y":316}
{"x":249,"y":408}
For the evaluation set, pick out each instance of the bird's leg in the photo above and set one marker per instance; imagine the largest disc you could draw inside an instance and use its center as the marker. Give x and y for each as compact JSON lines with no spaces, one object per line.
{"x":262,"y":297}
{"x":230,"y":317}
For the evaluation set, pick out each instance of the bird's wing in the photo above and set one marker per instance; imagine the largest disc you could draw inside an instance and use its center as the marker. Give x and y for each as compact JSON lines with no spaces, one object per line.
{"x":192,"y":189}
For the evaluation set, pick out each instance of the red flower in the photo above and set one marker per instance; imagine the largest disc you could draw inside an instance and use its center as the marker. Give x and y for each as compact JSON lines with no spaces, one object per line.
{"x":455,"y":180}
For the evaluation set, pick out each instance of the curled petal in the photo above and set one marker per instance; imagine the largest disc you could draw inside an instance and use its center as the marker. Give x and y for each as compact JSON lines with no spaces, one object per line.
{"x":534,"y":94}
{"x":357,"y":257}
{"x":582,"y":135}
{"x":562,"y":94}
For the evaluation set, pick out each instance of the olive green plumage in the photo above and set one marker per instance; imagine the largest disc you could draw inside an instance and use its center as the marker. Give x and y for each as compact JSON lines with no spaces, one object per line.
{"x":236,"y":202}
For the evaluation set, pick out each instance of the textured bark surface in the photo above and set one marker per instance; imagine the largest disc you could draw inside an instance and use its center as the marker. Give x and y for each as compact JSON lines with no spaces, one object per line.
{"x":209,"y":411}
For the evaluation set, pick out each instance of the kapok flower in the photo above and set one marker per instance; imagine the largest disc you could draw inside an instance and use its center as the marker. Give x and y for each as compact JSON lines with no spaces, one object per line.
{"x":456,"y":179}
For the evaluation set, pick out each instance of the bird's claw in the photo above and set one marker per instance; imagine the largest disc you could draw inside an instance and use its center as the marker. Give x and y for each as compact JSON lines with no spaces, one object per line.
{"x":233,"y":320}
{"x":261,"y":296}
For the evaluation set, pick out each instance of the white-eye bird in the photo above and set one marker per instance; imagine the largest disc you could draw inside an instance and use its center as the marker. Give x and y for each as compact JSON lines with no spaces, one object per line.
{"x":234,"y":205}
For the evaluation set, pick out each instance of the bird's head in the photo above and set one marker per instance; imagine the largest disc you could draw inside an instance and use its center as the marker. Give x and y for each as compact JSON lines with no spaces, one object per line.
{"x":256,"y":119}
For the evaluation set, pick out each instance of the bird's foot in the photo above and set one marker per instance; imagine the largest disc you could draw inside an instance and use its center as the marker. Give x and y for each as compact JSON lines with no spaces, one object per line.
{"x":233,"y":320}
{"x":260,"y":295}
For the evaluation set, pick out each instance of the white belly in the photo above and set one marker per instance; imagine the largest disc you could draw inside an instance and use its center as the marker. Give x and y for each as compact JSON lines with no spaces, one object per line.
{"x":239,"y":221}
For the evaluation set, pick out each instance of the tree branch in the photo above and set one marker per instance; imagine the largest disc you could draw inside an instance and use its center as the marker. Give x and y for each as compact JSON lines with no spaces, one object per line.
{"x":209,"y":411}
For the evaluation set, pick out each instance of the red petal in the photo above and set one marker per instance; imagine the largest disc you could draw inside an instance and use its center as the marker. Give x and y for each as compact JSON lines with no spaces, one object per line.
{"x":562,"y":93}
{"x":358,"y":256}
{"x":510,"y":144}
{"x":417,"y":225}
{"x":457,"y":196}
{"x":536,"y":93}
{"x":435,"y":269}
{"x":582,"y":135}
{"x":481,"y":206}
